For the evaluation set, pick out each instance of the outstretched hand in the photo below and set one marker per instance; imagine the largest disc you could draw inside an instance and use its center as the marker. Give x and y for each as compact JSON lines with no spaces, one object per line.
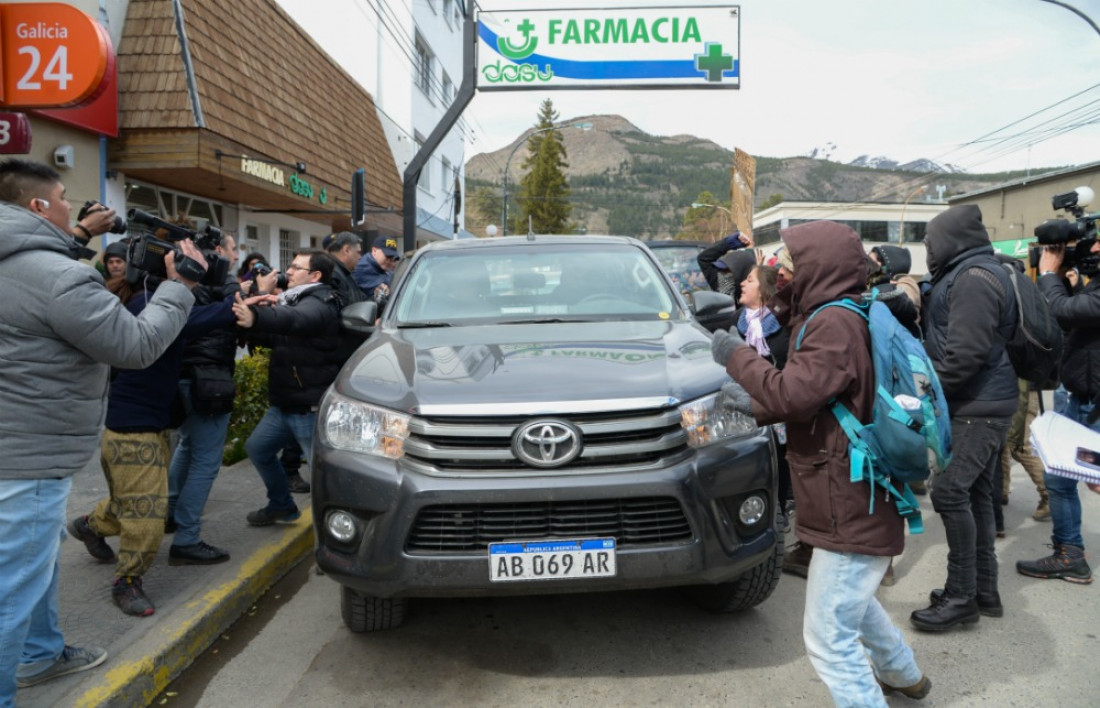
{"x":724,"y":344}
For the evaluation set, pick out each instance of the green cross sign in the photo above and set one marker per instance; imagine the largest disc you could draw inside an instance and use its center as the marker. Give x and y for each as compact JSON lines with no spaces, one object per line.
{"x":714,"y":62}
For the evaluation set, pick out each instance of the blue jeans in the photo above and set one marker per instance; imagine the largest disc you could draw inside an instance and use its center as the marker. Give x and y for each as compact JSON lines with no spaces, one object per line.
{"x":32,"y":524}
{"x":844,"y":625}
{"x":962,"y":494}
{"x":272,"y":433}
{"x":1065,"y":504}
{"x":195,"y":465}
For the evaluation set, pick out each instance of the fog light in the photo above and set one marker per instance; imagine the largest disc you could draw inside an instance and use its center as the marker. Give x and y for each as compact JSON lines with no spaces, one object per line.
{"x":341,"y":526}
{"x":752,"y":510}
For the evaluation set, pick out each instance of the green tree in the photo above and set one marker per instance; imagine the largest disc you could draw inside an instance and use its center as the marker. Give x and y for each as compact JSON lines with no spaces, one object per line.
{"x":771,"y":201}
{"x":705,"y":223}
{"x":544,"y":189}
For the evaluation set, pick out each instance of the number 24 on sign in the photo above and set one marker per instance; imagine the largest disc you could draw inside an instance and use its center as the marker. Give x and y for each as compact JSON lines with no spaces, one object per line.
{"x":51,"y":54}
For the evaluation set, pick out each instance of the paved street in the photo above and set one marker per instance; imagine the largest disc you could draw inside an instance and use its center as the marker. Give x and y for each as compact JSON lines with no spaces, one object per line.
{"x":651,"y":648}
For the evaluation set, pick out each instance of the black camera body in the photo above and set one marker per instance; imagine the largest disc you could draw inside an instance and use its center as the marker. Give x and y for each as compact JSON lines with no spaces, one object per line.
{"x":118,"y":227}
{"x":146,"y":253}
{"x":1078,"y":235}
{"x":261,"y":268}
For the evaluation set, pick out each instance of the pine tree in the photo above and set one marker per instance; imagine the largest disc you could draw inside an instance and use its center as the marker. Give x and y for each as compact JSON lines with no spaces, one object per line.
{"x":544,"y":189}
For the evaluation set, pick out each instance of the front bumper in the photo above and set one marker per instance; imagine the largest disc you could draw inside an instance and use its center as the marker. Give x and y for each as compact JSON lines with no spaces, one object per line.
{"x":386,"y":496}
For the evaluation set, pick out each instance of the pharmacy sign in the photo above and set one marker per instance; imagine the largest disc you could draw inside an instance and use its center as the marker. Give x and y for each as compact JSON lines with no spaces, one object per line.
{"x":653,"y":47}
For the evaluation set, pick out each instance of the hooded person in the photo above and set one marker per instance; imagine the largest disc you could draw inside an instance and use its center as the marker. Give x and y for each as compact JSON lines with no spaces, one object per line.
{"x":888,"y":272}
{"x":843,"y":625}
{"x":967,"y":317}
{"x":715,"y":266}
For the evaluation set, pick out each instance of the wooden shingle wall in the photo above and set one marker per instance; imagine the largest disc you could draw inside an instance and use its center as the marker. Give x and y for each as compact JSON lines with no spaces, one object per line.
{"x":261,"y":82}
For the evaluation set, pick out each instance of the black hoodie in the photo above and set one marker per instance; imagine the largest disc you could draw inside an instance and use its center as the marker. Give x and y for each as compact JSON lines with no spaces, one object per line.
{"x":968,"y":316}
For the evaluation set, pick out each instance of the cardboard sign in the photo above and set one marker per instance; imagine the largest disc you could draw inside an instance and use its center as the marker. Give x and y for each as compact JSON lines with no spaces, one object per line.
{"x":52,"y":55}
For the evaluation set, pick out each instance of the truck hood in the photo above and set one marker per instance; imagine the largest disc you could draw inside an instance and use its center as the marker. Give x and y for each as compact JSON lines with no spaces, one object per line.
{"x":532,"y":369}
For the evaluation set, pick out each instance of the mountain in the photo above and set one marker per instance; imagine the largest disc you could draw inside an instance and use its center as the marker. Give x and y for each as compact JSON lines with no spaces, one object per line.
{"x":626,"y":181}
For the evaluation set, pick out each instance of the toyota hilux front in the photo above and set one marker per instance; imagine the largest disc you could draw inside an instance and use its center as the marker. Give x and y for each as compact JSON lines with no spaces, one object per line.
{"x":538,"y":415}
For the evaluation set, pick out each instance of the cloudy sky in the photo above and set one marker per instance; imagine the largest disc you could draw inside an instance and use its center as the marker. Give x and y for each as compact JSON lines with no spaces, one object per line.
{"x":984,"y":84}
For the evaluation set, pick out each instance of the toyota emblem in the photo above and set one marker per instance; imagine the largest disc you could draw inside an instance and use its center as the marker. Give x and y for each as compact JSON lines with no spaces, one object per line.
{"x":547,"y":443}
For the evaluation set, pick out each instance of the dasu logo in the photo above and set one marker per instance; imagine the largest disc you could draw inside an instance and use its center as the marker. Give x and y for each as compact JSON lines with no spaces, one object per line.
{"x":516,"y":73}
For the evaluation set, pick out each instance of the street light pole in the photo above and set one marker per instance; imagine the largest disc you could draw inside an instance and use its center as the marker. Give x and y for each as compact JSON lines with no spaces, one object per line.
{"x":901,"y":225}
{"x":508,"y":162}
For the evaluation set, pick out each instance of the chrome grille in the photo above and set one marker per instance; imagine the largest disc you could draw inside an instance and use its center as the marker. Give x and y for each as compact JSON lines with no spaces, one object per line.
{"x":462,"y":528}
{"x":484,"y":445}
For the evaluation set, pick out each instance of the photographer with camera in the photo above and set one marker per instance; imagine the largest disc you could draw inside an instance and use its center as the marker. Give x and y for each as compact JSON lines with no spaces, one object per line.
{"x":135,"y":450}
{"x":1071,"y":245}
{"x":95,"y":219}
{"x":60,"y":332}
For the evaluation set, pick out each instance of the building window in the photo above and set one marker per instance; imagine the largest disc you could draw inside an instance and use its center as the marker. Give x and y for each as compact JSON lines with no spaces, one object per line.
{"x":288,"y":244}
{"x":424,"y":61}
{"x":251,"y":240}
{"x":448,"y":90}
{"x":445,"y":182}
{"x":448,"y":11}
{"x":425,"y":173}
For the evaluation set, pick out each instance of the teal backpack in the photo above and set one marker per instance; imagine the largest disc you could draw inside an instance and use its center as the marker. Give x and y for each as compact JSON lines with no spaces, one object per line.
{"x":910,"y":429}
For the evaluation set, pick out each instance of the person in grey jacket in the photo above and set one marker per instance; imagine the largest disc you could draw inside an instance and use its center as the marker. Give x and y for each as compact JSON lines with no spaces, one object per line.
{"x":60,"y":331}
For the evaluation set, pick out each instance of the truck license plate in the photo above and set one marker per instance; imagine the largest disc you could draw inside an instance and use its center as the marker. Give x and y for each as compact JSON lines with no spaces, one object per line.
{"x":552,"y":560}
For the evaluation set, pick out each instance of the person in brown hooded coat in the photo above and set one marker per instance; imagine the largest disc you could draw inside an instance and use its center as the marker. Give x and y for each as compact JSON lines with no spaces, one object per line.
{"x":843,"y":623}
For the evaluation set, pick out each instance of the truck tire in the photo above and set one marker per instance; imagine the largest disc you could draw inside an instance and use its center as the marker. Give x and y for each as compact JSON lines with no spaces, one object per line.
{"x":749,"y":590}
{"x":365,"y":613}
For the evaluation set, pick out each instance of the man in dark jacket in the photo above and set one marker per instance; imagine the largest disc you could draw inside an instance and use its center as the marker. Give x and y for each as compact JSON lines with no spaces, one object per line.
{"x":967,"y":318}
{"x":206,"y":389}
{"x":843,"y":622}
{"x":715,"y":263}
{"x":375,"y":269}
{"x":1079,"y":315}
{"x":345,"y":248}
{"x":302,"y":327}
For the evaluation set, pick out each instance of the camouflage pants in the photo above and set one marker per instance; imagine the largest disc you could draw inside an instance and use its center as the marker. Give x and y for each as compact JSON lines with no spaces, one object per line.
{"x":136,"y":467}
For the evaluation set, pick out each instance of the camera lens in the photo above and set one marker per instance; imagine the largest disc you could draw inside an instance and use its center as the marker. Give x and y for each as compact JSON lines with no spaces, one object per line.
{"x":281,"y":281}
{"x":119,"y":226}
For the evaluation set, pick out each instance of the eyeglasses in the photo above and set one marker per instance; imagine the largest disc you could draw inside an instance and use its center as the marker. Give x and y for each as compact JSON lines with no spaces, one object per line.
{"x":291,"y":267}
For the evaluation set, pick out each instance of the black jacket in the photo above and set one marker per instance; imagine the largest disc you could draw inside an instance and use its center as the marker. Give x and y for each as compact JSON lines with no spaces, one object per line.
{"x":968,"y":316}
{"x":305,"y":342}
{"x":344,"y":285}
{"x":216,"y":348}
{"x":1079,"y":315}
{"x":726,"y":250}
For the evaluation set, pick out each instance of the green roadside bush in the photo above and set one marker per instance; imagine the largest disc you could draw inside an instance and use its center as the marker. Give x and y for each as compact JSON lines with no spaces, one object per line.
{"x":249,"y":405}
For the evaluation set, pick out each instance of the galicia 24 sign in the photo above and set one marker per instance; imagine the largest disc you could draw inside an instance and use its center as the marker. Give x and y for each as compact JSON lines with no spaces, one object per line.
{"x":656,"y":47}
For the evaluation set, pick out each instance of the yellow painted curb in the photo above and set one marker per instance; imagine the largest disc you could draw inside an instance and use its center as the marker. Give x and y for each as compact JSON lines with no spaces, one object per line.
{"x":139,"y":681}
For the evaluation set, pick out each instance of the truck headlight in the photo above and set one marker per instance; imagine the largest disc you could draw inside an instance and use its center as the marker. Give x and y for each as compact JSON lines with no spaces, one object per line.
{"x":347,"y":424}
{"x":707,"y":421}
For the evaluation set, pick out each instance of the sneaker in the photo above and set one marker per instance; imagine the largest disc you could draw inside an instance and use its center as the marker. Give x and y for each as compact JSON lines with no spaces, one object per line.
{"x":297,"y":484}
{"x":797,"y":559}
{"x":1042,"y":512}
{"x":917,"y":691}
{"x":97,"y":547}
{"x":266,"y":516}
{"x":72,"y":660}
{"x":130,"y":598}
{"x":201,"y":553}
{"x":1067,"y":563}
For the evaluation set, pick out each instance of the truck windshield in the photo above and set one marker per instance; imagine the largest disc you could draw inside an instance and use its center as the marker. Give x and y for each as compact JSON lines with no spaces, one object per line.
{"x":539,"y":282}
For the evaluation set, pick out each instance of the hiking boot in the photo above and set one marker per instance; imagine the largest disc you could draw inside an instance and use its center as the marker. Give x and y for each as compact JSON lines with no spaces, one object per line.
{"x":297,"y":484}
{"x":1067,"y":562}
{"x":888,"y":578}
{"x":917,"y":691}
{"x":1042,"y":512}
{"x":267,"y":517}
{"x":989,"y":604}
{"x":946,"y":612}
{"x":130,"y":598}
{"x":97,"y":547}
{"x":201,"y":553}
{"x":72,"y":660}
{"x":920,"y":488}
{"x":797,"y":559}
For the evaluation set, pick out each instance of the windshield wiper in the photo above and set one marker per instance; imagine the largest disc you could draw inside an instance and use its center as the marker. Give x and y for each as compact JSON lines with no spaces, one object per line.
{"x":542,"y":320}
{"x":418,"y":325}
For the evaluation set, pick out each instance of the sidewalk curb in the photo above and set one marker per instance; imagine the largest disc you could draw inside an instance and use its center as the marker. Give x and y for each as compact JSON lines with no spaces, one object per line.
{"x":138,"y":676}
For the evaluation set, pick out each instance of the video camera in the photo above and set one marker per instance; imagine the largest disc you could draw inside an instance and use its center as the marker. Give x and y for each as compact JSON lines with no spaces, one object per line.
{"x":118,"y":227}
{"x":146,"y":253}
{"x":1079,"y":235}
